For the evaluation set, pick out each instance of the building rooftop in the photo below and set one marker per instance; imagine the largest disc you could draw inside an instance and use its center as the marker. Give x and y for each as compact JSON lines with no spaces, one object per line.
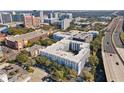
{"x":26,"y":36}
{"x":61,"y":49}
{"x":73,"y":34}
{"x":67,"y":34}
{"x":82,"y":35}
{"x":13,"y":73}
{"x":35,"y":47}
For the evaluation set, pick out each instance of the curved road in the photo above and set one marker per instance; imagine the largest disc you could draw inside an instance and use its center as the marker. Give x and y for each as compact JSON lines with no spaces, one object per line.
{"x":113,"y":63}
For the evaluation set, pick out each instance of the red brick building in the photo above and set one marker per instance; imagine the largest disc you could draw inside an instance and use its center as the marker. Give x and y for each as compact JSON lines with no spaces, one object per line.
{"x":31,"y":21}
{"x":20,"y":41}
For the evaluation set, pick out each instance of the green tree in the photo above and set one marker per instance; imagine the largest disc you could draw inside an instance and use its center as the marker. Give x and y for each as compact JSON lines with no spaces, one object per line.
{"x":25,"y":52}
{"x":18,"y":31}
{"x":29,"y":44}
{"x":41,"y":60}
{"x":43,"y":42}
{"x":37,"y":42}
{"x":59,"y":75}
{"x":93,"y":60}
{"x":96,"y":44}
{"x":88,"y":76}
{"x":23,"y":58}
{"x":30,"y":69}
{"x":31,"y":62}
{"x":122,"y":36}
{"x":48,"y":63}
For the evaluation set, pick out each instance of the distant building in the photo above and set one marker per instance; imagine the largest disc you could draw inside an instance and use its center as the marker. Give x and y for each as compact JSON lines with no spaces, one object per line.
{"x":65,"y":16}
{"x":95,"y":33}
{"x":5,"y":18}
{"x":97,"y":22}
{"x":28,"y":21}
{"x":14,"y":24}
{"x":18,"y":17}
{"x":34,"y":50}
{"x":61,"y":20}
{"x":70,"y":53}
{"x":31,"y":21}
{"x":64,"y":24}
{"x":36,"y":21}
{"x":82,"y":23}
{"x":50,"y":15}
{"x":104,"y":18}
{"x":50,"y":20}
{"x":20,"y":41}
{"x":78,"y":19}
{"x":56,"y":15}
{"x":39,"y":14}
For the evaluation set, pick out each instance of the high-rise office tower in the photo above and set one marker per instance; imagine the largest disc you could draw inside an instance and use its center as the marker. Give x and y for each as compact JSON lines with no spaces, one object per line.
{"x":5,"y":17}
{"x":38,"y":14}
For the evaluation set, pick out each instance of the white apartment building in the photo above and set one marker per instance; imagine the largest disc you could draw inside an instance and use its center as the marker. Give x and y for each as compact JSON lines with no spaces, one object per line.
{"x":70,"y":53}
{"x":64,"y":24}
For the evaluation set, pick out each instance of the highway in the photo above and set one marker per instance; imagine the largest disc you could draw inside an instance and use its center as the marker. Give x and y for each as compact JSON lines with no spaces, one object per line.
{"x":113,"y":63}
{"x":107,"y":41}
{"x":116,"y":35}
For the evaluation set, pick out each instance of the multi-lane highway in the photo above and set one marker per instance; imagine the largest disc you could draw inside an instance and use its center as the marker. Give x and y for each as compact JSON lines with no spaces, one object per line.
{"x":116,"y":34}
{"x":113,"y":63}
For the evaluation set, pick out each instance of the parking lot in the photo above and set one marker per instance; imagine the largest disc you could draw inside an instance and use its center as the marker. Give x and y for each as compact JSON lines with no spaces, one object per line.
{"x":37,"y":75}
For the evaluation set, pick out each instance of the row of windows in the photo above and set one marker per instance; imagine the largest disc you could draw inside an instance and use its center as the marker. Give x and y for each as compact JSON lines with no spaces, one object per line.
{"x":61,"y":60}
{"x":67,"y":62}
{"x":74,"y":46}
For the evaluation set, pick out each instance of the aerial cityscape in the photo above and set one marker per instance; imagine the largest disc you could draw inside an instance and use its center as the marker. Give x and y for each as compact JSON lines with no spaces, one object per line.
{"x":62,"y":46}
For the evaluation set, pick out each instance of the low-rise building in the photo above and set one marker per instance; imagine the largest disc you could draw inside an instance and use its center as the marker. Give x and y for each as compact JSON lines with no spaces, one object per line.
{"x":61,"y":35}
{"x":73,"y":54}
{"x":95,"y":33}
{"x":34,"y":50}
{"x":20,"y":41}
{"x":13,"y":73}
{"x":104,"y":18}
{"x":97,"y":22}
{"x":83,"y":37}
{"x":75,"y":35}
{"x":13,"y":24}
{"x":4,"y":29}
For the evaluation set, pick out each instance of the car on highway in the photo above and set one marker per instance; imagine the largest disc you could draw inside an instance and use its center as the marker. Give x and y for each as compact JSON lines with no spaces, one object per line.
{"x":110,"y":54}
{"x":107,"y":42}
{"x":117,"y":63}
